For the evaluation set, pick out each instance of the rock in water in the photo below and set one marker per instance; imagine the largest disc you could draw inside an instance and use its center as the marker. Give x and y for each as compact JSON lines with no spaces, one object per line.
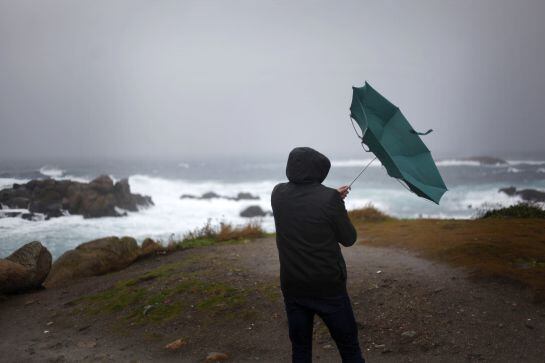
{"x":93,"y":258}
{"x":253,"y":211}
{"x":99,"y":198}
{"x":510,"y":191}
{"x":528,"y":195}
{"x":210,"y":195}
{"x":36,"y":259}
{"x":246,"y":196}
{"x":13,"y":277}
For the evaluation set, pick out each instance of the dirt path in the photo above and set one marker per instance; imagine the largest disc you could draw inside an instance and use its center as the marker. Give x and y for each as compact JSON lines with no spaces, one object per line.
{"x":408,"y":309}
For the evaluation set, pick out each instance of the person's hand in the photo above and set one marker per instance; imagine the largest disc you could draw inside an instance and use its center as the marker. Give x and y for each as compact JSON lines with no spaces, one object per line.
{"x":343,"y":191}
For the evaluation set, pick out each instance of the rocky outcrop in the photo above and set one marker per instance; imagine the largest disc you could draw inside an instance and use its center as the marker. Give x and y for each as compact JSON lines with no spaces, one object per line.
{"x":93,"y":258}
{"x":528,"y":195}
{"x":213,"y":195}
{"x":254,"y":211}
{"x":53,"y":198}
{"x":25,"y":268}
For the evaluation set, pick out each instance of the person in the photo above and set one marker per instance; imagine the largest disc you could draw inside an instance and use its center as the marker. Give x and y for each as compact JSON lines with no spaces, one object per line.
{"x":311,"y":220}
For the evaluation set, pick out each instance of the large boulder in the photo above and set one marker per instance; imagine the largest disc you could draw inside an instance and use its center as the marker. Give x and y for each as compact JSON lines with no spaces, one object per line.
{"x":93,"y":258}
{"x":25,"y":268}
{"x":13,"y":277}
{"x":36,"y":259}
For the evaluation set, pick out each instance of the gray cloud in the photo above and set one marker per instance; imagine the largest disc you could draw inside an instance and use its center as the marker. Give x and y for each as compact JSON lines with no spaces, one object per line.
{"x":185,"y":79}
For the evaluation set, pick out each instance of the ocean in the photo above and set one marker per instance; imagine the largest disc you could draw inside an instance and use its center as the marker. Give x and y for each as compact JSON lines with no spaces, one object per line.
{"x":472,"y":186}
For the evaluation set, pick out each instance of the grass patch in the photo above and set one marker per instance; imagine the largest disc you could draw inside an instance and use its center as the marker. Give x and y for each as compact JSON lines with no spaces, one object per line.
{"x":196,"y":285}
{"x":368,"y":213}
{"x":148,"y":304}
{"x":508,"y":249}
{"x":520,"y":210}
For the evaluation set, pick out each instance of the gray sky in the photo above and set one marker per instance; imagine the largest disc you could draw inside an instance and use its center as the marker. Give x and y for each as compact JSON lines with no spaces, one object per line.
{"x":186,"y":79}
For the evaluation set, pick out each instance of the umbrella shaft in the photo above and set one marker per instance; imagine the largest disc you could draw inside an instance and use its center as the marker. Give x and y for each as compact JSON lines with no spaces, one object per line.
{"x":361,"y":172}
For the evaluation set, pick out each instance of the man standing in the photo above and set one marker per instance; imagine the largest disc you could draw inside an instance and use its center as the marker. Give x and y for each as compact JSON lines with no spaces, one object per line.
{"x":311,"y":220}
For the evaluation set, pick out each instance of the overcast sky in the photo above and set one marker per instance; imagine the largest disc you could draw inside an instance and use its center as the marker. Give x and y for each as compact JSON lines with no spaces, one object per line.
{"x":187,"y":79}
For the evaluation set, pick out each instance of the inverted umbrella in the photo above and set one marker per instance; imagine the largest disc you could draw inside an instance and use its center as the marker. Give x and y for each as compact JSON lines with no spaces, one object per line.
{"x":389,"y":136}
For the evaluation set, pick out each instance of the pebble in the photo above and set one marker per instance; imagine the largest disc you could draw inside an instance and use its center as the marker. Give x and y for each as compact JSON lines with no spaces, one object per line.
{"x":216,"y":356}
{"x":175,"y":345}
{"x":409,"y":333}
{"x":87,"y":344}
{"x":147,"y":308}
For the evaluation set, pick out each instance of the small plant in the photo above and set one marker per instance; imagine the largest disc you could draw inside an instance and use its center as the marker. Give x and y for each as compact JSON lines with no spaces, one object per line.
{"x":520,"y":210}
{"x":368,"y":213}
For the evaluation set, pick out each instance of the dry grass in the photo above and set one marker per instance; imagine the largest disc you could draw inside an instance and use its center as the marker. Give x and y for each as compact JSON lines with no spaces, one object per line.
{"x":506,"y":249}
{"x":368,"y":213}
{"x":224,"y":232}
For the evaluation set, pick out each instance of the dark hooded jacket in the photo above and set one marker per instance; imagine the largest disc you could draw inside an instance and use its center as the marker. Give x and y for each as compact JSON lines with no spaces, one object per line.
{"x":311,"y":220}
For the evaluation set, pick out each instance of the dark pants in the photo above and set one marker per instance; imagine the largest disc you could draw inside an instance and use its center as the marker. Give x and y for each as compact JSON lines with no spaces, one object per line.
{"x":337,"y":314}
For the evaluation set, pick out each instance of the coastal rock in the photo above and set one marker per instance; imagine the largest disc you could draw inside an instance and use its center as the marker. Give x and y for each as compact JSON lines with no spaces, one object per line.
{"x":528,"y":195}
{"x":246,"y":196}
{"x":149,"y":247}
{"x":210,"y":195}
{"x":253,"y":211}
{"x":510,"y":191}
{"x":13,"y":277}
{"x":36,"y":259}
{"x":93,"y":258}
{"x":54,"y":198}
{"x":214,"y":195}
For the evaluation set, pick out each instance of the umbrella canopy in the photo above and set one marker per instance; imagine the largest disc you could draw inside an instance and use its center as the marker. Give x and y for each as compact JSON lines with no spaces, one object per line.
{"x":388,"y":134}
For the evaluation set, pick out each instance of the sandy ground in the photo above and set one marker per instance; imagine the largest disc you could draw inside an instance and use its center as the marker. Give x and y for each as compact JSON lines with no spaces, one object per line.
{"x":408,"y":310}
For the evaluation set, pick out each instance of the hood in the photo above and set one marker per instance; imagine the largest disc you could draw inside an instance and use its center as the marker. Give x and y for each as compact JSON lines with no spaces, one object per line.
{"x":306,"y":165}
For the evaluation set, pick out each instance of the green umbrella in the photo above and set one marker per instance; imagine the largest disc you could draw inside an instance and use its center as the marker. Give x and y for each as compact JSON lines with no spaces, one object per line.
{"x":389,"y":136}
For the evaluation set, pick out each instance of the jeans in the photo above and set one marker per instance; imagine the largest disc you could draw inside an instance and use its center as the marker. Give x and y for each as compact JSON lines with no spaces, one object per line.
{"x":337,"y":314}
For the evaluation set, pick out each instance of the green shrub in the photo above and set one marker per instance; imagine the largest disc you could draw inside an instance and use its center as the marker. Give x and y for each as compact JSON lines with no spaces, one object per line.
{"x":520,"y":210}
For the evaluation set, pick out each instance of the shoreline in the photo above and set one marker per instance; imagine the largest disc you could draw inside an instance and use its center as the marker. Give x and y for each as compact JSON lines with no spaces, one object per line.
{"x":225,"y":297}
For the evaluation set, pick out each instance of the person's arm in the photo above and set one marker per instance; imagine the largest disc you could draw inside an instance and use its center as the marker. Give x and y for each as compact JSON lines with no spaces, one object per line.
{"x":342,"y":226}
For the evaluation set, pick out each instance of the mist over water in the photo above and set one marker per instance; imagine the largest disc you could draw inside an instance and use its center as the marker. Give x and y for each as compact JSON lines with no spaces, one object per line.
{"x":471,"y":186}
